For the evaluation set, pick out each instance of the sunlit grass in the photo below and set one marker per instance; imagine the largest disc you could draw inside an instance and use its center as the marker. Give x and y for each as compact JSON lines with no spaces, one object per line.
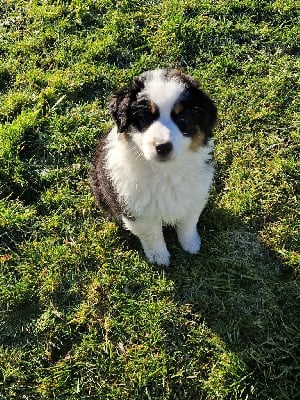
{"x":83,"y":315}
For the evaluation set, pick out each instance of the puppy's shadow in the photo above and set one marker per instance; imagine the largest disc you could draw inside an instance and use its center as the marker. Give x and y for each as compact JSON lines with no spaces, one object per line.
{"x":243,"y":292}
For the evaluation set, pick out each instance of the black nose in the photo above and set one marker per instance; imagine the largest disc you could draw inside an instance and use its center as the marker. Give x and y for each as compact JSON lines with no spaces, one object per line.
{"x":164,"y":149}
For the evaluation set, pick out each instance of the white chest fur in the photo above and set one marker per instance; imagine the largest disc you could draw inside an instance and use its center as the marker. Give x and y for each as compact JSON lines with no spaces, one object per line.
{"x":164,"y":191}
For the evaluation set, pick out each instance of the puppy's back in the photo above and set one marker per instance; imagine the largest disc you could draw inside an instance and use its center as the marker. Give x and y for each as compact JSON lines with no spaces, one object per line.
{"x":101,"y":183}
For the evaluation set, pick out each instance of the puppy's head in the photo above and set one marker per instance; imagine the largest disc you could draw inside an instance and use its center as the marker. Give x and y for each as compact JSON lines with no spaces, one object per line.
{"x":164,"y":113}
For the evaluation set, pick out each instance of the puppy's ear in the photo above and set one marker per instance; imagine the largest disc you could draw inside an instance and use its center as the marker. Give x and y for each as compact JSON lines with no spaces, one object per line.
{"x":120,"y":105}
{"x":119,"y":108}
{"x":203,"y":105}
{"x":208,"y":111}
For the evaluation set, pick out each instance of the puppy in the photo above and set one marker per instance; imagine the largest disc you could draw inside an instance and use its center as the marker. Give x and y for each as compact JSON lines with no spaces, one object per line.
{"x":154,"y":167}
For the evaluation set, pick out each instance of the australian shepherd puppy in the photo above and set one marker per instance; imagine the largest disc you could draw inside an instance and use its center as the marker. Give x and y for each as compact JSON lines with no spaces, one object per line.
{"x":154,"y":167}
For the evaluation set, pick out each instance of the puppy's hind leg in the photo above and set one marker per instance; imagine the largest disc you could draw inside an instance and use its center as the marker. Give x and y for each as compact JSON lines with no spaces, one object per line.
{"x":151,"y":236}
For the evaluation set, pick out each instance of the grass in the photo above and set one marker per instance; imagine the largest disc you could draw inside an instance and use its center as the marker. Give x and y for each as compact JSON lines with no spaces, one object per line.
{"x":83,"y":315}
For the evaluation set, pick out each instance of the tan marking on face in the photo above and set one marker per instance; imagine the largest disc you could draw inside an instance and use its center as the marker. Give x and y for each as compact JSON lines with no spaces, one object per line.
{"x":197,"y":140}
{"x":178,"y":108}
{"x":124,"y":136}
{"x":152,"y":107}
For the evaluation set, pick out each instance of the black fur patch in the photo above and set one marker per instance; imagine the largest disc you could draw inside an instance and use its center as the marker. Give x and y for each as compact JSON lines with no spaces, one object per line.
{"x":143,"y":113}
{"x":120,"y":106}
{"x":197,"y":111}
{"x":102,"y":186}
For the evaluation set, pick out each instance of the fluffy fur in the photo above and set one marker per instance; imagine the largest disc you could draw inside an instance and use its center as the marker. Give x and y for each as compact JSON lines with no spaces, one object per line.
{"x":154,"y":167}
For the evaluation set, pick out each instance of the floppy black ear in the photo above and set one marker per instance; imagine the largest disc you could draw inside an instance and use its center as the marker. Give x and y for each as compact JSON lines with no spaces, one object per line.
{"x":204,"y":106}
{"x":208,"y":111}
{"x":120,"y":105}
{"x":119,"y":108}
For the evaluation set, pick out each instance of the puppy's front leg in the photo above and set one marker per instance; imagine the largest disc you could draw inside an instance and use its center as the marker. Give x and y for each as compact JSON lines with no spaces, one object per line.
{"x":188,"y":235}
{"x":151,"y":236}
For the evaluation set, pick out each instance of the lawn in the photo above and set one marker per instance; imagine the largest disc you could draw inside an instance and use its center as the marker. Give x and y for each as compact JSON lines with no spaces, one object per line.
{"x":83,"y":315}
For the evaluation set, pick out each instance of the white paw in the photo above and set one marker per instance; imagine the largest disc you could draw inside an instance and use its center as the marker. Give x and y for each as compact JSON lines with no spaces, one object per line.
{"x":160,"y":257}
{"x":190,"y":243}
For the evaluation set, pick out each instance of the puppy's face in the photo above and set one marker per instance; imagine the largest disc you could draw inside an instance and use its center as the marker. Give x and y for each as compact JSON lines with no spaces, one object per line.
{"x":164,"y":114}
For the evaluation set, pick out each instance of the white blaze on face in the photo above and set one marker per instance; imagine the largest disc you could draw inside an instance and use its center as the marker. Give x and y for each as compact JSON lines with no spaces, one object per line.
{"x":163,"y":92}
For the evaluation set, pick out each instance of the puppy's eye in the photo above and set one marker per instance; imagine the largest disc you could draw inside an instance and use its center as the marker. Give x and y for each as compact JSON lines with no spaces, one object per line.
{"x":180,"y":117}
{"x":147,"y":117}
{"x":142,"y":119}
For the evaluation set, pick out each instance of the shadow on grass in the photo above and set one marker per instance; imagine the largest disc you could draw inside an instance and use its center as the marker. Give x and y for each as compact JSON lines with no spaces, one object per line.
{"x":243,"y":292}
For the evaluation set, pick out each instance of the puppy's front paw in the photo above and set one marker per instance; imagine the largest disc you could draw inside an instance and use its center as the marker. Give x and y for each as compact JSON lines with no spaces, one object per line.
{"x":158,"y":256}
{"x":190,"y":243}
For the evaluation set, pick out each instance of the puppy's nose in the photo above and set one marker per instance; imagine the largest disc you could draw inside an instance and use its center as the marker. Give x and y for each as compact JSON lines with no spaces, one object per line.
{"x":164,"y":149}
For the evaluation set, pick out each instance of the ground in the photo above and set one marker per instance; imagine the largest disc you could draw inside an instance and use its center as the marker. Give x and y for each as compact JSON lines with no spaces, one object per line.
{"x":83,"y":315}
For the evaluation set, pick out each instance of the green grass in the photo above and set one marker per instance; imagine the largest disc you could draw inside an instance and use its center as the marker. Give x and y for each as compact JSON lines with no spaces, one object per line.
{"x":82,"y":313}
